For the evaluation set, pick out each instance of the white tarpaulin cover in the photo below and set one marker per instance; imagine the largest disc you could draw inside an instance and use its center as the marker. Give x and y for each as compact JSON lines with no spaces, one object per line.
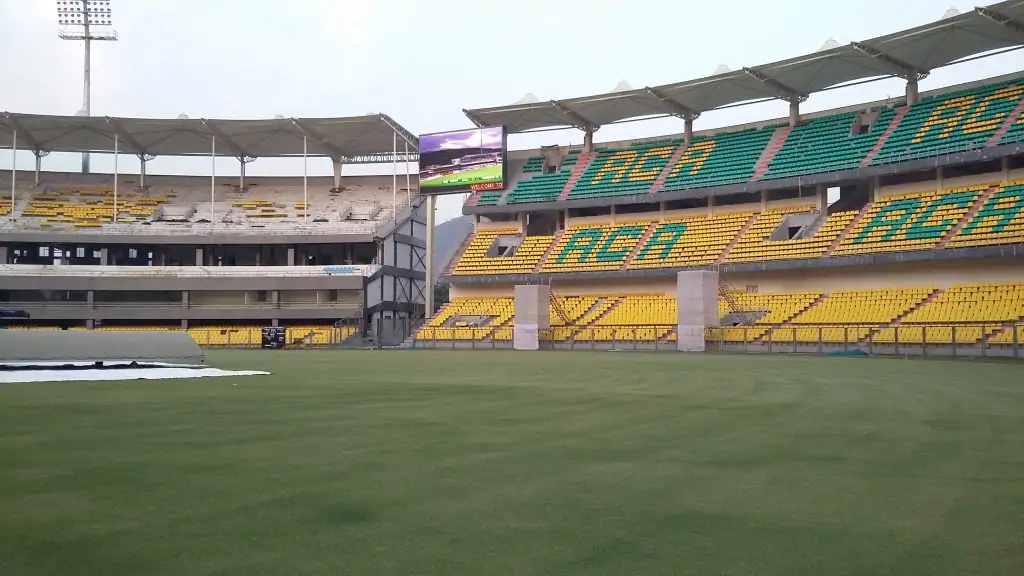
{"x":156,"y":372}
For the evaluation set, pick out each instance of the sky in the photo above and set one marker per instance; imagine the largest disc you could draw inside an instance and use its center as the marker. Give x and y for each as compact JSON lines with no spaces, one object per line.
{"x":423,"y":62}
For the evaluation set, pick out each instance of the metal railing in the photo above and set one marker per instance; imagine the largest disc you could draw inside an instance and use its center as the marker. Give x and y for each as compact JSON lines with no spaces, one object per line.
{"x":186,"y":271}
{"x":31,"y":306}
{"x":979,"y":339}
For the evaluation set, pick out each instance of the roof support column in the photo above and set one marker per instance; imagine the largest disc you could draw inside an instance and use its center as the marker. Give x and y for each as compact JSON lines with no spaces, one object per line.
{"x":794,"y":112}
{"x":429,"y":264}
{"x":143,"y":160}
{"x":688,"y":129}
{"x":241,"y":174}
{"x":912,"y":95}
{"x":39,"y":163}
{"x":588,"y":141}
{"x":14,"y":167}
{"x":336,"y":163}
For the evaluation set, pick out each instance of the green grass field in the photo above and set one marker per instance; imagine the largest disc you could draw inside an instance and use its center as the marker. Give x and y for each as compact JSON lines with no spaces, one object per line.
{"x":466,"y":178}
{"x":479,"y":463}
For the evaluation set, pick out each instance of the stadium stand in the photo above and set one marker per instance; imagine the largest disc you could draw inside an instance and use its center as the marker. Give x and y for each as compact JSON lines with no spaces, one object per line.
{"x":960,"y":120}
{"x":976,"y":215}
{"x":725,"y":158}
{"x":826,"y":144}
{"x":614,"y":172}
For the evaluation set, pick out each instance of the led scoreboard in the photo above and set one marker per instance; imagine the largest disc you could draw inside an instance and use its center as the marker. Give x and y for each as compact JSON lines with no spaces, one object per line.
{"x":463,"y":161}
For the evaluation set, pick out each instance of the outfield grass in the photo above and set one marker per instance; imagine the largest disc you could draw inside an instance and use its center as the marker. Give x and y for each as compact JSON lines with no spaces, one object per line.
{"x":467,"y":177}
{"x":483,"y":463}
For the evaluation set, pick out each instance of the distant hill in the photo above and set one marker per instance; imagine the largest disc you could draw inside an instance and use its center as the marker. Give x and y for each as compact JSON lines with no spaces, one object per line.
{"x":447,"y":239}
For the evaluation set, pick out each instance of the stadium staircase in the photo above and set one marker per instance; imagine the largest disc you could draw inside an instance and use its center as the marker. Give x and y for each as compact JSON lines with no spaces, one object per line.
{"x":1011,"y":119}
{"x":547,"y":252}
{"x":589,"y":319}
{"x":885,"y":136}
{"x":1004,"y":327}
{"x":746,"y":227}
{"x":849,"y":227}
{"x":639,"y":244}
{"x":979,"y":203}
{"x":774,"y":145}
{"x":672,"y":161}
{"x":897,"y":320}
{"x":574,"y":176}
{"x":457,"y":257}
{"x":558,"y":308}
{"x":789,"y":321}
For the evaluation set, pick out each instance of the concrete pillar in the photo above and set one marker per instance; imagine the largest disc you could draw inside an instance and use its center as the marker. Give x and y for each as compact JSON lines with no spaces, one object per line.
{"x":662,"y":207}
{"x":3,"y":255}
{"x":1004,"y":167}
{"x":794,"y":113}
{"x":429,"y":265}
{"x":873,"y":189}
{"x":142,"y":172}
{"x":39,"y":166}
{"x":711,"y":205}
{"x":275,"y":298}
{"x":241,"y":173}
{"x":199,"y":256}
{"x":688,"y":130}
{"x":696,"y":308}
{"x":90,"y":324}
{"x":532,"y":310}
{"x":336,"y":163}
{"x":184,"y":324}
{"x":588,"y":141}
{"x":613,"y":214}
{"x":764,"y":200}
{"x":291,"y":256}
{"x":259,"y":255}
{"x":912,"y":94}
{"x":184,"y":299}
{"x":90,"y":299}
{"x":938,"y":178}
{"x":822,"y":194}
{"x":161,"y":256}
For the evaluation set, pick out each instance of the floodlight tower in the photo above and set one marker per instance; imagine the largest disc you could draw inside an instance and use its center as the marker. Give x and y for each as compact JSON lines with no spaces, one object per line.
{"x":86,"y":20}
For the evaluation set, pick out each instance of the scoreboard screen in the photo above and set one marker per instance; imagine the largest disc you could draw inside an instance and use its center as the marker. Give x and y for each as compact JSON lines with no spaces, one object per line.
{"x":462,"y":161}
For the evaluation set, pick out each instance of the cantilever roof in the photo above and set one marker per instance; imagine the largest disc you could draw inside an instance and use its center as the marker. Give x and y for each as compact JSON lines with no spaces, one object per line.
{"x":908,"y":54}
{"x":358,"y":138}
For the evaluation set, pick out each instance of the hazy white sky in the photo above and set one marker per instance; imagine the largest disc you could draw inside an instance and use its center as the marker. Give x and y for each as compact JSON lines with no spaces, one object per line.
{"x":422,"y":62}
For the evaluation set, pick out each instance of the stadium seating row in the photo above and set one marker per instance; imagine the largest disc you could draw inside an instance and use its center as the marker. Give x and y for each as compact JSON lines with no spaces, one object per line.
{"x":969,"y":216}
{"x":237,"y":335}
{"x":911,"y":315}
{"x":956,"y":121}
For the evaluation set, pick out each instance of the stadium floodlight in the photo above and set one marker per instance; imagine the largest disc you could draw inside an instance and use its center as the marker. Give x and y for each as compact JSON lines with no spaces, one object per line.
{"x":85,"y":20}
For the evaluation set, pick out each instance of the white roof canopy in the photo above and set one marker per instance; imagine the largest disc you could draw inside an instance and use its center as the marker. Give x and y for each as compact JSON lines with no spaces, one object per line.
{"x":910,"y":54}
{"x":354,"y":139}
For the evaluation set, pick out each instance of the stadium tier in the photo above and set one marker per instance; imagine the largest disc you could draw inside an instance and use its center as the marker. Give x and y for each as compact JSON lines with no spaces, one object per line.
{"x":925,"y":314}
{"x":174,"y":206}
{"x":977,"y":215}
{"x":957,"y":121}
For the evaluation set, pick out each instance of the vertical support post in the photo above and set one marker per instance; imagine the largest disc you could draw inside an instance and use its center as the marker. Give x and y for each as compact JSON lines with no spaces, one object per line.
{"x":305,"y":181}
{"x":912,"y":94}
{"x":241,"y":173}
{"x":429,"y":267}
{"x":688,"y":130}
{"x":142,"y":171}
{"x":394,"y":174}
{"x":408,"y":186}
{"x":39,"y":165}
{"x":117,"y":145}
{"x":86,"y":96}
{"x":213,"y":173}
{"x":14,"y":168}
